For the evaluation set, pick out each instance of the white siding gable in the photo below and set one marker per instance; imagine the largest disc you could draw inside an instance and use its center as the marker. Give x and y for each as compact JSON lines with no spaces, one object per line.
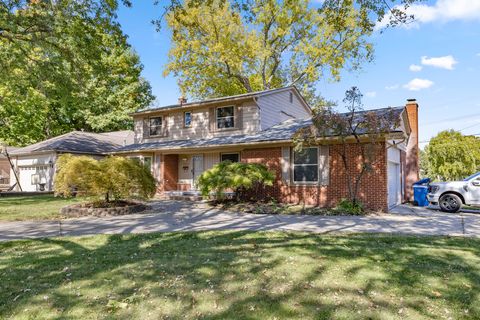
{"x":276,"y":108}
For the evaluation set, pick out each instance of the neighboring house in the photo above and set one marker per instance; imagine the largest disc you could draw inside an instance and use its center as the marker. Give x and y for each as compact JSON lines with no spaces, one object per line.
{"x":183,"y":140}
{"x":5,"y":170}
{"x":35,"y":164}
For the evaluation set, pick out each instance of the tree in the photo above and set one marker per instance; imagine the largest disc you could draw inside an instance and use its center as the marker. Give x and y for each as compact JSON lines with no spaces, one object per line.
{"x":236,"y":176}
{"x":452,"y":156}
{"x":65,"y":65}
{"x":111,"y":177}
{"x":225,"y":47}
{"x":365,"y":131}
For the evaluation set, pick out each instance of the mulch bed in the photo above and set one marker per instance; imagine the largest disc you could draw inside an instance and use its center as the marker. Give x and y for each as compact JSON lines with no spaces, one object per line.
{"x":103,"y":208}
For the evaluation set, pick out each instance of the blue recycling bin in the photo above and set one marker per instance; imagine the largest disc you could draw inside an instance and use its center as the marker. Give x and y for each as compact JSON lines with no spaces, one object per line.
{"x":420,"y":191}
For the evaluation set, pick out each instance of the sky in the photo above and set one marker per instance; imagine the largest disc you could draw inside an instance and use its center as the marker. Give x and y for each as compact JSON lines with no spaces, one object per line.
{"x":435,"y":60}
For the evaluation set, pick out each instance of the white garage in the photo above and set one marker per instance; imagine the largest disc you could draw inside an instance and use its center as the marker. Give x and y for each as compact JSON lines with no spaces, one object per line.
{"x":35,"y":164}
{"x":394,"y":176}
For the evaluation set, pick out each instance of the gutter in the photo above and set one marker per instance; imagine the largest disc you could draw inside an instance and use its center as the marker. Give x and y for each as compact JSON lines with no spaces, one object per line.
{"x":330,"y":140}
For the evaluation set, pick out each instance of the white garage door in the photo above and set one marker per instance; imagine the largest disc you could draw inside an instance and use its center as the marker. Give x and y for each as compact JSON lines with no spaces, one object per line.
{"x":394,"y":184}
{"x":32,"y":175}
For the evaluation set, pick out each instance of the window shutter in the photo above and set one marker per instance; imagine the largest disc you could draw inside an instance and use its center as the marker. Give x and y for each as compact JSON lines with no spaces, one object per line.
{"x":146,"y":128}
{"x":324,"y":165}
{"x":238,"y":117}
{"x":211,"y":119}
{"x":165,"y":126}
{"x":285,"y":162}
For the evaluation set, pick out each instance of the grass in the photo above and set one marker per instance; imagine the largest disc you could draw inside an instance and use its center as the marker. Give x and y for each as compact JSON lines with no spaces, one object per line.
{"x":39,"y":207}
{"x":240,"y":275}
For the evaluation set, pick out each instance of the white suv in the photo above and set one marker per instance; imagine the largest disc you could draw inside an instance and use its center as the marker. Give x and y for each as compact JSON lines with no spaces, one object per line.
{"x":450,"y":196}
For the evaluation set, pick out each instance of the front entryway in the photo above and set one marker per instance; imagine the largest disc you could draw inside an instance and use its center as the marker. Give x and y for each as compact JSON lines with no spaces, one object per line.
{"x":197,"y":169}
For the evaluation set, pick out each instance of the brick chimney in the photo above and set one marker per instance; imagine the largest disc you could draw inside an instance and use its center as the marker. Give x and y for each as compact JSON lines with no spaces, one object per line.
{"x":182,"y":100}
{"x":412,"y":167}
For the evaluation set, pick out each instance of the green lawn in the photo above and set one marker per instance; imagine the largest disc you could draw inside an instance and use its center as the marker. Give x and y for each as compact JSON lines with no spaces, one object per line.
{"x":32,"y":207}
{"x":241,"y":275}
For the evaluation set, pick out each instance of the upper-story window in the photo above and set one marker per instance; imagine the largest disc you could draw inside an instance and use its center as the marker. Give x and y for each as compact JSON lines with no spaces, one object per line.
{"x":156,"y":126}
{"x":225,"y":117}
{"x":187,"y":119}
{"x":305,"y":165}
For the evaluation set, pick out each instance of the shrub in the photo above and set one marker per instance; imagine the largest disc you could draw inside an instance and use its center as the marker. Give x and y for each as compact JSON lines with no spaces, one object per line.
{"x":350,"y":207}
{"x":111,"y":177}
{"x":237,"y":177}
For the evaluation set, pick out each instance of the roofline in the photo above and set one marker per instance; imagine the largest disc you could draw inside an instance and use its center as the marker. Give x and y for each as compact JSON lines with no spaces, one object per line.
{"x":216,"y":146}
{"x":58,"y":151}
{"x":240,"y":97}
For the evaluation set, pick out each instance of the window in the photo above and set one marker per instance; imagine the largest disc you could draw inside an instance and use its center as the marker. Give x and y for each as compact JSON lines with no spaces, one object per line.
{"x":147,"y":162}
{"x":225,"y":117}
{"x":156,"y":126}
{"x":305,"y":165}
{"x":233,"y":157}
{"x":187,"y":119}
{"x":291,"y":97}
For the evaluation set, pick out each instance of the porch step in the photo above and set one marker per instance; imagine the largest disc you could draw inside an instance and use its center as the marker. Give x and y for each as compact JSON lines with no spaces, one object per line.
{"x":182,"y":195}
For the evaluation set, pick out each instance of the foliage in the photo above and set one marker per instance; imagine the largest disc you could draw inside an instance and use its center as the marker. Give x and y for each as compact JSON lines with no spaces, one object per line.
{"x":234,"y":176}
{"x":65,"y":65}
{"x":225,"y":47}
{"x":451,"y":156}
{"x":364,"y":130}
{"x":241,"y":275}
{"x":350,"y":207}
{"x":116,"y":177}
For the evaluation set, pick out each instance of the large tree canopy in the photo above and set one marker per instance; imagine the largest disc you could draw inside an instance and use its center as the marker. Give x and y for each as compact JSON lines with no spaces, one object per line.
{"x":65,"y":65}
{"x":451,"y":156}
{"x":224,"y":47}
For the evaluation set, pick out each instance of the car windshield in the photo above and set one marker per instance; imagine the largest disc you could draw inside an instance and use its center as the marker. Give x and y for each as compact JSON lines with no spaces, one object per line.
{"x":472,"y":176}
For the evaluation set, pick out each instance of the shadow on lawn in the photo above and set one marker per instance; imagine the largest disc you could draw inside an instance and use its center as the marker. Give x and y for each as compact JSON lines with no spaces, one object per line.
{"x":241,"y":275}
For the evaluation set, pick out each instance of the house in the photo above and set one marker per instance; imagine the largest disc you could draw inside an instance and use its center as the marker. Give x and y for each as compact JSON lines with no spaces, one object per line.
{"x":5,"y":170}
{"x":183,"y":140}
{"x":35,"y":164}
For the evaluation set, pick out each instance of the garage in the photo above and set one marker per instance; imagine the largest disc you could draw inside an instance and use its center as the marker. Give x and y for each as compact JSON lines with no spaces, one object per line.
{"x":394,"y":177}
{"x":35,"y":178}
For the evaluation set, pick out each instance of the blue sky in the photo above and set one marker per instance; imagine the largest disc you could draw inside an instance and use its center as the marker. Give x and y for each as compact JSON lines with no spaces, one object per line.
{"x":435,"y":60}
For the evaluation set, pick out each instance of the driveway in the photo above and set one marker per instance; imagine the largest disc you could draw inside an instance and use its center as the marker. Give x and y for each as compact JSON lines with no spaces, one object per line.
{"x":189,"y":216}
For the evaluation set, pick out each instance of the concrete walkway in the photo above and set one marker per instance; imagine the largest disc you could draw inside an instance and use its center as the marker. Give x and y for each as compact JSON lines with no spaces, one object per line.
{"x":187,"y":216}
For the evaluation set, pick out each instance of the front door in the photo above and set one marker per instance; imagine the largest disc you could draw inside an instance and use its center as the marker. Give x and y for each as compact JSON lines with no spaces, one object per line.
{"x":197,"y":169}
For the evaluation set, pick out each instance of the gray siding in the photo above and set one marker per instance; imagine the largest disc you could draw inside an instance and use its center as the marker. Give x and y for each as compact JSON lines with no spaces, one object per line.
{"x":200,"y":127}
{"x":276,"y":108}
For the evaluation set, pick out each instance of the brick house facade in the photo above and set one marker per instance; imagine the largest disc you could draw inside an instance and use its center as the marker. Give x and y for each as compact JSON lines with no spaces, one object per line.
{"x":268,"y":121}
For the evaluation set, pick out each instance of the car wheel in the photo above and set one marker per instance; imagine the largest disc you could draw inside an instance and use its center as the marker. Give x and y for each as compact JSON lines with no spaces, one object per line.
{"x":450,"y":203}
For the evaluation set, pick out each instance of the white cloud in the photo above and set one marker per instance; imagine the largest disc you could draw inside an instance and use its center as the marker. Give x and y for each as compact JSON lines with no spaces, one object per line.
{"x":442,"y":11}
{"x":418,"y":84}
{"x":371,"y":94}
{"x":415,"y":68}
{"x":446,"y":62}
{"x":392,"y":87}
{"x":478,"y":54}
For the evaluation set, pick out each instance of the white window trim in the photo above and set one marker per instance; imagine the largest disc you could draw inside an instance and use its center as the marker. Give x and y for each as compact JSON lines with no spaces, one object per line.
{"x":237,"y":153}
{"x":185,"y":118}
{"x":217,"y":117}
{"x":150,"y":126}
{"x":292,"y":168}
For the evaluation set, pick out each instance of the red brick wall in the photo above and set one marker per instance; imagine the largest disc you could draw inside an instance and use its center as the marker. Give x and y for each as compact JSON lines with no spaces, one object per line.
{"x":373,"y":187}
{"x":403,"y":168}
{"x":412,"y":164}
{"x":170,"y":172}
